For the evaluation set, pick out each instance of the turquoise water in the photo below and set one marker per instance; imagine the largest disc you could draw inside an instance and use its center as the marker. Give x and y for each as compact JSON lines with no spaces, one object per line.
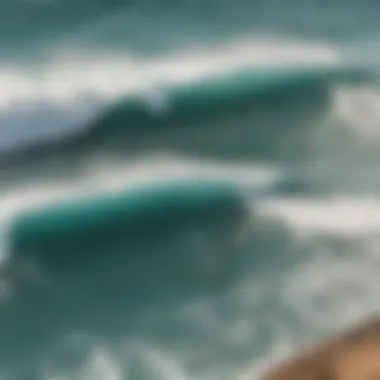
{"x":199,"y":303}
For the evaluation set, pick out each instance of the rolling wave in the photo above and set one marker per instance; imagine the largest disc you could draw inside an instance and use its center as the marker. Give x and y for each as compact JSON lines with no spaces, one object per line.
{"x":305,"y":262}
{"x":76,"y":104}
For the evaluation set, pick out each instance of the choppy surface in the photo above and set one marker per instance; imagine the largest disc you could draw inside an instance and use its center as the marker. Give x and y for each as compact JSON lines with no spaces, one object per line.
{"x":309,"y":260}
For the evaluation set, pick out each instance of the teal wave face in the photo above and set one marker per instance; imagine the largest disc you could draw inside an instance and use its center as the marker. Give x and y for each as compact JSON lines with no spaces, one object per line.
{"x":52,"y":233}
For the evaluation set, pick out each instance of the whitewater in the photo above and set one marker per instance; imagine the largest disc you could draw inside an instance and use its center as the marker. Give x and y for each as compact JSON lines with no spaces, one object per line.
{"x":308,"y":260}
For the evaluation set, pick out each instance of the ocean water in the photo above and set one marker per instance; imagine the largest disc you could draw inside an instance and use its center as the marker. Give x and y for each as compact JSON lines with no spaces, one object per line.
{"x":305,"y":264}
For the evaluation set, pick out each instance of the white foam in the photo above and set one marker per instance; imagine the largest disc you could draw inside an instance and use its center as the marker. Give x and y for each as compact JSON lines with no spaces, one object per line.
{"x":100,"y":362}
{"x":336,"y":291}
{"x":102,"y":366}
{"x":336,"y":215}
{"x":359,"y":109}
{"x":69,"y":74}
{"x":103,"y":177}
{"x":334,"y":283}
{"x":164,"y":366}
